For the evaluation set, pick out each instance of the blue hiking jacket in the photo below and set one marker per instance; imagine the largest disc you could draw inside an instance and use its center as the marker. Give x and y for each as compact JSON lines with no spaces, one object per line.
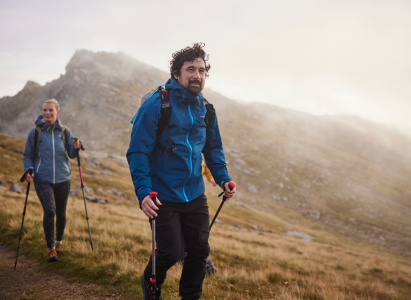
{"x":178,"y":179}
{"x":51,"y":163}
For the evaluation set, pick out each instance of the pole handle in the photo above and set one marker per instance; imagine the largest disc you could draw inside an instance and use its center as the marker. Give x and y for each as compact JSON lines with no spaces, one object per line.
{"x":29,"y":171}
{"x":231,"y":185}
{"x":153,"y":196}
{"x":81,"y":145}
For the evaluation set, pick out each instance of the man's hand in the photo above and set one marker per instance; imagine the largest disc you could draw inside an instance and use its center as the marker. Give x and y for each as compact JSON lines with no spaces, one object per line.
{"x":228,"y":193}
{"x":148,"y":207}
{"x":29,"y":178}
{"x":212,"y":181}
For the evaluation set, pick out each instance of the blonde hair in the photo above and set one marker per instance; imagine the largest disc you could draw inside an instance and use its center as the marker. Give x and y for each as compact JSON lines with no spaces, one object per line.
{"x":54,"y":101}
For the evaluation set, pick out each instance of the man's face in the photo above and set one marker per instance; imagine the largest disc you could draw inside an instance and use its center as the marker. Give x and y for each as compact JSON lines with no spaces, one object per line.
{"x":192,"y":76}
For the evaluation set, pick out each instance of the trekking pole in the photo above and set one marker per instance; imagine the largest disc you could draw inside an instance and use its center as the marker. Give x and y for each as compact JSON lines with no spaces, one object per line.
{"x":29,"y":171}
{"x":82,"y":188}
{"x":153,"y":196}
{"x":231,"y":185}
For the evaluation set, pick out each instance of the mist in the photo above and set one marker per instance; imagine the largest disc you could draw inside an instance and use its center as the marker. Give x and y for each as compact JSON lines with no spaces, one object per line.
{"x":319,"y":57}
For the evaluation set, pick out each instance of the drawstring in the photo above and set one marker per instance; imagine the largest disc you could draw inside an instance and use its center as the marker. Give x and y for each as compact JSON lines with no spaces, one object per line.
{"x":171,"y":149}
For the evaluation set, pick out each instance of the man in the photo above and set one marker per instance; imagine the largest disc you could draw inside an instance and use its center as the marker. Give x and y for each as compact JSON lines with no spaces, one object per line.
{"x":182,"y":217}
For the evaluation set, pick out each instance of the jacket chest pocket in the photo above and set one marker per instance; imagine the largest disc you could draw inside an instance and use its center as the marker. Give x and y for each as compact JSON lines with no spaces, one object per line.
{"x":199,"y":115}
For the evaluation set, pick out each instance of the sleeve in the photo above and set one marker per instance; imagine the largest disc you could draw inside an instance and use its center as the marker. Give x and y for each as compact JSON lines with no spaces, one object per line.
{"x":214,"y":153}
{"x":142,"y":141}
{"x":29,"y":155}
{"x":71,"y":151}
{"x":206,"y":172}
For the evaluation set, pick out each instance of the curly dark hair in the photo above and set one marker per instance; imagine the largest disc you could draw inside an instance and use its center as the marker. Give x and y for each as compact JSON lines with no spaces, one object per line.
{"x":188,"y":54}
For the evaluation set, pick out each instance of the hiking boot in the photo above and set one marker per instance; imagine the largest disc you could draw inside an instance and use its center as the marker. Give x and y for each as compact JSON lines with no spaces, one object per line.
{"x":210,"y":269}
{"x":146,"y":290}
{"x":59,"y":248}
{"x":51,"y":255}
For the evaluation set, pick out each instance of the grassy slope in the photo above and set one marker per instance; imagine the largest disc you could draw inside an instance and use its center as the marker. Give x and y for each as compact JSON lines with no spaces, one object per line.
{"x":270,"y":266}
{"x":352,"y":178}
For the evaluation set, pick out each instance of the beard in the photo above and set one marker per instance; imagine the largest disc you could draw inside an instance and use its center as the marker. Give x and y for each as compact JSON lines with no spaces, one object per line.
{"x":195,"y":89}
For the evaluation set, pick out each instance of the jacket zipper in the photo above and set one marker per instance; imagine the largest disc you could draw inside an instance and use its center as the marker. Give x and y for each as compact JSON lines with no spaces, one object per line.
{"x":38,"y":166}
{"x":191,"y":151}
{"x":54,"y":157}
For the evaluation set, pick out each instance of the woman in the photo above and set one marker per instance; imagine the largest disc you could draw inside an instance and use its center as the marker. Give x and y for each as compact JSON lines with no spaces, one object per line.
{"x":51,"y":173}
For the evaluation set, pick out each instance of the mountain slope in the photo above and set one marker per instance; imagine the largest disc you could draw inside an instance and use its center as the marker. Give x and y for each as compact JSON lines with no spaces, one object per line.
{"x":340,"y":174}
{"x":255,"y":256}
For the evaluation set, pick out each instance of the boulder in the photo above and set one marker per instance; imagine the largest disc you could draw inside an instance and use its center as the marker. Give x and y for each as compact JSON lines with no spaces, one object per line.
{"x":86,"y":188}
{"x":105,"y":172}
{"x":14,"y":187}
{"x":75,"y":193}
{"x":238,"y":226}
{"x":315,"y":215}
{"x":252,"y":188}
{"x":302,"y":235}
{"x":99,"y":200}
{"x":255,"y":227}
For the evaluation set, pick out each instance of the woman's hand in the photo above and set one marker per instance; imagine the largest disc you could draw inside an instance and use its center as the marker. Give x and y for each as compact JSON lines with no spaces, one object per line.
{"x":29,"y":178}
{"x":77,"y":144}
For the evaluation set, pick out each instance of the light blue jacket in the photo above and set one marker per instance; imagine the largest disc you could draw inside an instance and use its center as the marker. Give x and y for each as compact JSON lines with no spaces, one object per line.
{"x":51,"y":163}
{"x":178,"y":179}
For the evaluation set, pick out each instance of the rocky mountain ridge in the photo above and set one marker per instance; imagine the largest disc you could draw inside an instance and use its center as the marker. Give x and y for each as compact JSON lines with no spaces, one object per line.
{"x":98,"y":94}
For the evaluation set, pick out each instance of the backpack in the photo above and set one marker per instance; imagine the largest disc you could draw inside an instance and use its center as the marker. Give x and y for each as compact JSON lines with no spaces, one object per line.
{"x":37,"y":136}
{"x":166,"y":111}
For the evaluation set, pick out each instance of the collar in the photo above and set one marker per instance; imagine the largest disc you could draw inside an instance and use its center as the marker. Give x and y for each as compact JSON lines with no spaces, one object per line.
{"x":180,"y":94}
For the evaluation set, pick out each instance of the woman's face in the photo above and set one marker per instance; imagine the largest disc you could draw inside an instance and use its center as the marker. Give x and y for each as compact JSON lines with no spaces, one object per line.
{"x":50,"y":113}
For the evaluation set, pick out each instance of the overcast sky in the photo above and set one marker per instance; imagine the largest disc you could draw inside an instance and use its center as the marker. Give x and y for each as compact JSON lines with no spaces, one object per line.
{"x":321,"y":57}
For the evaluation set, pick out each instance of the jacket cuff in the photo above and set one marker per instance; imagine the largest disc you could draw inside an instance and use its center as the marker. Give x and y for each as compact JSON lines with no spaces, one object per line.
{"x":142,"y":193}
{"x":222,"y":183}
{"x":139,"y":201}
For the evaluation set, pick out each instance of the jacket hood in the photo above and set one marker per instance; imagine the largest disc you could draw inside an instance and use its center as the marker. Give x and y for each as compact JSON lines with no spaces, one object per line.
{"x":40,"y":122}
{"x":181,"y":92}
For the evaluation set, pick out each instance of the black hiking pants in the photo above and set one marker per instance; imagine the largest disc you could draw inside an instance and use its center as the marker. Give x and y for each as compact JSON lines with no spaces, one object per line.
{"x":53,"y":198}
{"x":180,"y":225}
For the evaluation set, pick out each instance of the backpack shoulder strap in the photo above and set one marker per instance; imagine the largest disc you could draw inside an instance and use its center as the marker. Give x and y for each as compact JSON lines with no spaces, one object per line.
{"x":63,"y":134}
{"x":165,"y":117}
{"x":37,"y":139}
{"x":165,"y":109}
{"x":210,"y":115}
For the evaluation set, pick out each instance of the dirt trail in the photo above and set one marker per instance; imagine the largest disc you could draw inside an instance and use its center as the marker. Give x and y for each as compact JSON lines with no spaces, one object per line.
{"x":36,"y":281}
